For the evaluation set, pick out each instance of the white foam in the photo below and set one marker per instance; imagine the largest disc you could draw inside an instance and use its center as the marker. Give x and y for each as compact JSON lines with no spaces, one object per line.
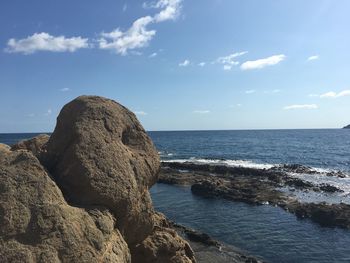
{"x":229,"y":163}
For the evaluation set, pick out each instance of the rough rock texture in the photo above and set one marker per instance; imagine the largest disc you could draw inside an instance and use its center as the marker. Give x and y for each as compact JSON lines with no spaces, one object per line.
{"x":99,"y":154}
{"x":164,"y":245}
{"x":82,"y":194}
{"x":35,"y":145}
{"x":37,"y":225}
{"x":4,"y":147}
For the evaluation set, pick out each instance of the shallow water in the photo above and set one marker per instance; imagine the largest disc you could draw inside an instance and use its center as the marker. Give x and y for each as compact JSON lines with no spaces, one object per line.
{"x":265,"y":231}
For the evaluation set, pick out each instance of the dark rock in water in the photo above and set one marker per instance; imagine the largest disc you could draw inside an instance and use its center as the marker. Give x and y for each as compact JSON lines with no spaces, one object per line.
{"x":347,"y":127}
{"x":103,"y":161}
{"x":207,"y":249}
{"x":258,"y":188}
{"x":329,"y":215}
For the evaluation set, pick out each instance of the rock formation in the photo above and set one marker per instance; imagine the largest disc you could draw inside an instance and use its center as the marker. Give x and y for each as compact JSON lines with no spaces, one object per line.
{"x":347,"y":127}
{"x":82,"y":194}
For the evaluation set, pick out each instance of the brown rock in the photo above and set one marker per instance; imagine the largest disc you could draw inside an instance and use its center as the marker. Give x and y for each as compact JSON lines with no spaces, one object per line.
{"x":99,"y":154}
{"x":163,"y":246}
{"x":35,"y":145}
{"x":4,"y":147}
{"x":104,"y":162}
{"x":37,"y":225}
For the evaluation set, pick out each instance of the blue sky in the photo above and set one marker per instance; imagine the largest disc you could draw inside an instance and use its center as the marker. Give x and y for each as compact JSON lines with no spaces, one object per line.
{"x":209,"y":64}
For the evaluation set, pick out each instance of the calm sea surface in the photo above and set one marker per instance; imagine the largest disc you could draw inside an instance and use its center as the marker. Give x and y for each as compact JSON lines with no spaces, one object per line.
{"x":265,"y":231}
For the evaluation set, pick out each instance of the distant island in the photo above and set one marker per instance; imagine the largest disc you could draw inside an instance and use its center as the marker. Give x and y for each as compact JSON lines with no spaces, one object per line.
{"x":347,"y":127}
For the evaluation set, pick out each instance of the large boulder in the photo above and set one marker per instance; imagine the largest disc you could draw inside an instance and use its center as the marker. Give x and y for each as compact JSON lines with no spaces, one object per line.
{"x":37,"y":225}
{"x":99,"y":154}
{"x":82,"y":194}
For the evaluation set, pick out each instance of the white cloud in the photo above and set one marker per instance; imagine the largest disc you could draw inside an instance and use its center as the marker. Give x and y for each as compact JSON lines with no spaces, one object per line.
{"x":230,"y":60}
{"x":250,"y":91}
{"x":202,"y":64}
{"x":125,"y":7}
{"x":315,"y":57}
{"x":141,"y":113}
{"x":201,"y":111}
{"x":334,"y":95}
{"x":185,"y":63}
{"x":313,"y":95}
{"x":272,"y":91}
{"x":227,"y":67}
{"x":65,"y":89}
{"x":171,"y":10}
{"x":301,"y":106}
{"x":264,"y":62}
{"x":138,"y":35}
{"x":48,"y":113}
{"x":153,"y":55}
{"x":235,"y":106}
{"x":45,"y":42}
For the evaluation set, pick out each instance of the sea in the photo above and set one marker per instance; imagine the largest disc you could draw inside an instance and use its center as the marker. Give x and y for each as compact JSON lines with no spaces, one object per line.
{"x":267,"y":232}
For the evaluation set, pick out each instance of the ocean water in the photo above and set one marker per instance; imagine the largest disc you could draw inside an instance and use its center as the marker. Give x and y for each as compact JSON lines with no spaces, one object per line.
{"x":265,"y":231}
{"x":328,"y":148}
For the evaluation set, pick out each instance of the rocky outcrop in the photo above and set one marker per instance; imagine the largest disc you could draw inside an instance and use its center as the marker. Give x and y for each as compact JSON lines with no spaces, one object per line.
{"x":347,"y":127}
{"x":99,"y":154}
{"x":36,"y":145}
{"x":82,"y":194}
{"x":259,"y":187}
{"x":37,"y":224}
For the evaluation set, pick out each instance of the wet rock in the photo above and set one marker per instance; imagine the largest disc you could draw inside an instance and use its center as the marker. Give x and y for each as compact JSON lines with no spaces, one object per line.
{"x":329,"y":215}
{"x":258,"y":188}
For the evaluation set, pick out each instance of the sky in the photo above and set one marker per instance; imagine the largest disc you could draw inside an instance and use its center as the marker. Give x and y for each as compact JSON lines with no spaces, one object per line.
{"x":178,"y":64}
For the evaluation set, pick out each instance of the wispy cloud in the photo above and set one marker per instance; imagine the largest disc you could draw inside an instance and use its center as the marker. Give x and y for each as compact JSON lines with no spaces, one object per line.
{"x":125,"y":7}
{"x":141,"y":113}
{"x":202,"y":64}
{"x":65,"y":89}
{"x":48,"y":112}
{"x":334,"y":95}
{"x":272,"y":91}
{"x":138,"y":35}
{"x":201,"y":111}
{"x":315,"y":57}
{"x":45,"y":42}
{"x":153,"y":55}
{"x":251,"y":91}
{"x":301,"y":106}
{"x":230,"y":60}
{"x":185,"y":63}
{"x":264,"y":62}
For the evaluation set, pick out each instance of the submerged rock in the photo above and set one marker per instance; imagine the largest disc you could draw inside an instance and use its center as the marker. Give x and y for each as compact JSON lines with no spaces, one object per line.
{"x":82,"y":194}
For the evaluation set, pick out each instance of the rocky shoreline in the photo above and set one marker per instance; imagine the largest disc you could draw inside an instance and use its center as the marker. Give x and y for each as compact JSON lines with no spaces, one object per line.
{"x":259,"y":187}
{"x":82,"y":194}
